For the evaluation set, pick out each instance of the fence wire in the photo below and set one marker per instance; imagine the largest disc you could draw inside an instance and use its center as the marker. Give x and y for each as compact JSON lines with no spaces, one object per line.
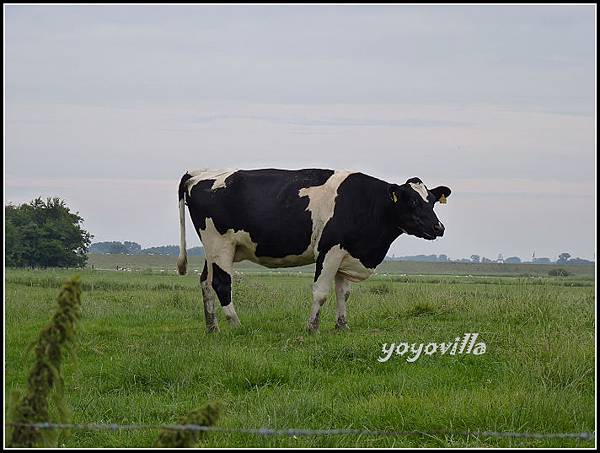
{"x":304,"y":432}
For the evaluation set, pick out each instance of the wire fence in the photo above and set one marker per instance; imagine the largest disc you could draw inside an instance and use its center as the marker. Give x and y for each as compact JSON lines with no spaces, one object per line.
{"x":305,"y":432}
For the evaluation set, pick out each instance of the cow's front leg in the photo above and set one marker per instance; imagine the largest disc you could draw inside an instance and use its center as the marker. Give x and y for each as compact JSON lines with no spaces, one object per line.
{"x":222,"y":286}
{"x":324,"y":275}
{"x":342,"y":292}
{"x":208,"y":298}
{"x":313,"y":321}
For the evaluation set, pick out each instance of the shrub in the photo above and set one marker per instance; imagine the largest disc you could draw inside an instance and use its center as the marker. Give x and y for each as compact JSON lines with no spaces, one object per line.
{"x":381,"y":288}
{"x":560,"y":272}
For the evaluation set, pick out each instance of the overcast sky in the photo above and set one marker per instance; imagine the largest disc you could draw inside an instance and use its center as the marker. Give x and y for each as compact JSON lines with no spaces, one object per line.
{"x":107,"y":107}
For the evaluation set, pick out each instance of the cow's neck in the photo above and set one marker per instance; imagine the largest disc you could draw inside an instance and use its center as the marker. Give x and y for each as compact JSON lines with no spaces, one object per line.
{"x":374,"y":243}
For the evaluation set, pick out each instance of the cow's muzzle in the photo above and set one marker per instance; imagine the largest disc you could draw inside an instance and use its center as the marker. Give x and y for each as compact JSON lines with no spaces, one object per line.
{"x":438,"y":229}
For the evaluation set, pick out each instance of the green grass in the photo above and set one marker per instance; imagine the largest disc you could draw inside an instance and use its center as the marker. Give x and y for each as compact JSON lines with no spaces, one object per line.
{"x":144,"y":357}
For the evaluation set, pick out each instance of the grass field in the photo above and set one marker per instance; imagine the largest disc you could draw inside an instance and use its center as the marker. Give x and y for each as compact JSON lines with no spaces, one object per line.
{"x":143,"y":356}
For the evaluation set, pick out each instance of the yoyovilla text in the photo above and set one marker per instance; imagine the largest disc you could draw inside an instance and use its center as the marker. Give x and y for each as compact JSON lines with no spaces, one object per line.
{"x":467,"y":345}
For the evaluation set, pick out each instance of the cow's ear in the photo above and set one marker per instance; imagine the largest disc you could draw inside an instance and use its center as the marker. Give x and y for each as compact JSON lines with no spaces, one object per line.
{"x":441,"y":193}
{"x":395,"y":192}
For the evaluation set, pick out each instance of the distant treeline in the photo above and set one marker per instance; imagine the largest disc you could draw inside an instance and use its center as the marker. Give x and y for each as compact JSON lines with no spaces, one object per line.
{"x":133,"y":248}
{"x":563,"y":258}
{"x":422,"y":258}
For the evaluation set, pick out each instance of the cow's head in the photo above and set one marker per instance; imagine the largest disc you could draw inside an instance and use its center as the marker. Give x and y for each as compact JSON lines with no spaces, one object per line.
{"x":412,"y":208}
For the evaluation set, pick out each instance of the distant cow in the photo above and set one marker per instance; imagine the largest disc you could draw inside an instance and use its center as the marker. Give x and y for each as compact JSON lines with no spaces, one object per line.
{"x":344,"y":221}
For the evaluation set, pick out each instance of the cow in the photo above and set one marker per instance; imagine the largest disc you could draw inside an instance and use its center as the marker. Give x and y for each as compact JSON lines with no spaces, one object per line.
{"x":343,"y":221}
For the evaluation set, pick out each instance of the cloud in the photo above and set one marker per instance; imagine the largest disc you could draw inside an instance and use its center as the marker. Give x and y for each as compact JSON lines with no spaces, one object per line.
{"x":335,"y":122}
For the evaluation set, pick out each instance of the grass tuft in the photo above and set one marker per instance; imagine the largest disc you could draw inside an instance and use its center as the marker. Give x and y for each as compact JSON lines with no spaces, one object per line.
{"x":205,"y":416}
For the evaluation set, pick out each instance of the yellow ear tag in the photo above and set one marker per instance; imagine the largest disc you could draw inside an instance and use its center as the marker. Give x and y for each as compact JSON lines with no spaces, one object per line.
{"x":394,"y":197}
{"x":442,"y":199}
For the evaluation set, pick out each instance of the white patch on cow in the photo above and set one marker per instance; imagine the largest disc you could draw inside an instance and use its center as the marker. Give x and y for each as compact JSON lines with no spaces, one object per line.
{"x":420,"y":189}
{"x":231,"y":315}
{"x":218,"y":248}
{"x":352,"y":269}
{"x":204,"y":174}
{"x":321,"y":203}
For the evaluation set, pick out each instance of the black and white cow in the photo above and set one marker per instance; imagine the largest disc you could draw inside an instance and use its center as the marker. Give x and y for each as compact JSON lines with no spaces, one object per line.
{"x":344,"y":221}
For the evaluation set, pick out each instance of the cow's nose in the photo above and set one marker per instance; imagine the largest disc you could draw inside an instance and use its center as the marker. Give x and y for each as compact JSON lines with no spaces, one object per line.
{"x":439,"y":229}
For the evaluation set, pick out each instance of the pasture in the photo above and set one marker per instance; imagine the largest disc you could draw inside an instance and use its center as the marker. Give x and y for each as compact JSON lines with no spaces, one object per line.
{"x":143,"y":355}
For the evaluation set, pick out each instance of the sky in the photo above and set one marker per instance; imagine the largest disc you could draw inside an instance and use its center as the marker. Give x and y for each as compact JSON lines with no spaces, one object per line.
{"x":108,"y":106}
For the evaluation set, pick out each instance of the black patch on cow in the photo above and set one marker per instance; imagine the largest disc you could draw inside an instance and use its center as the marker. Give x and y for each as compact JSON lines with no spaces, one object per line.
{"x":221,"y":283}
{"x":319,"y":265}
{"x":184,"y":179}
{"x":264,"y":203}
{"x":204,"y":274}
{"x":362,"y":221}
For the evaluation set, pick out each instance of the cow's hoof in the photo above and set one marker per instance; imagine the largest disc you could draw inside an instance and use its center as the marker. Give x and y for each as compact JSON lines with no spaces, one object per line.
{"x":341,"y":326}
{"x":313,"y":327}
{"x":212,"y":329}
{"x":234,"y":322}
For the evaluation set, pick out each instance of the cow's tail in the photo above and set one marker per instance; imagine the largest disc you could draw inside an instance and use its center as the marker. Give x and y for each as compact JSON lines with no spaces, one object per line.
{"x":182,"y":260}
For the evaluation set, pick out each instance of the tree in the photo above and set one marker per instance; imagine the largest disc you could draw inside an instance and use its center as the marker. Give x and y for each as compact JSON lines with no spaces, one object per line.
{"x":513,"y":260}
{"x":563,"y":258}
{"x":44,"y":234}
{"x":116,"y":248}
{"x":133,"y":248}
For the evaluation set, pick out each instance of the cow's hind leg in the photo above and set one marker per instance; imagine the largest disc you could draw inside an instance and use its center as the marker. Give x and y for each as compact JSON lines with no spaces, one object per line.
{"x":342,"y":292}
{"x":208,"y":297}
{"x":222,"y":286}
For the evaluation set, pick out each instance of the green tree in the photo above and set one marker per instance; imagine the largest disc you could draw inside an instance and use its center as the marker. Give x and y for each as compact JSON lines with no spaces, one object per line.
{"x":44,"y":234}
{"x":563,"y":258}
